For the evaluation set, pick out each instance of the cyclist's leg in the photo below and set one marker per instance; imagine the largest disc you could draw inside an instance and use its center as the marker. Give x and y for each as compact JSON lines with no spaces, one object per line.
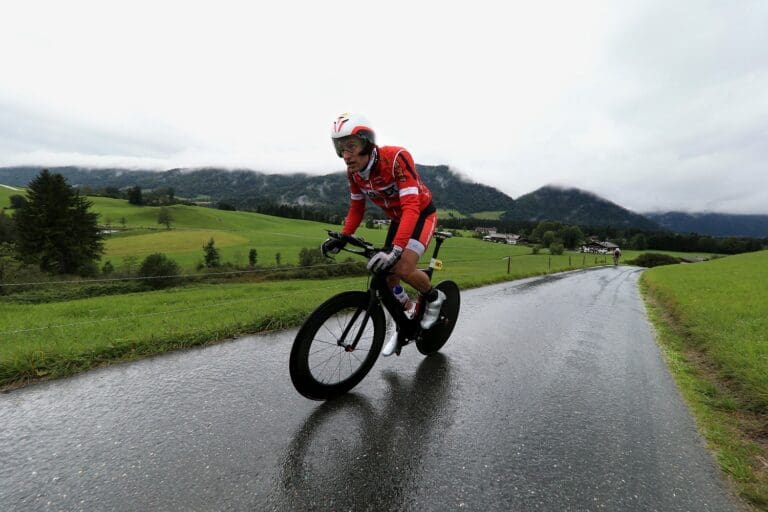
{"x":407,"y":271}
{"x":417,"y":245}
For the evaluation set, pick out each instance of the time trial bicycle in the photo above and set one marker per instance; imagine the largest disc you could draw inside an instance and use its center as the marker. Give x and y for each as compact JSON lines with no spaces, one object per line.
{"x":340,"y":341}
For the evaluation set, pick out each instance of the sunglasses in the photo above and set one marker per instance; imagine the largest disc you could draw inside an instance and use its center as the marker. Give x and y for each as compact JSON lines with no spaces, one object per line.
{"x":353,"y":145}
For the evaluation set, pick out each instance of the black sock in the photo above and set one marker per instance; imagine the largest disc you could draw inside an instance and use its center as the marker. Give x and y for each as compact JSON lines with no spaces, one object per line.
{"x":431,"y":295}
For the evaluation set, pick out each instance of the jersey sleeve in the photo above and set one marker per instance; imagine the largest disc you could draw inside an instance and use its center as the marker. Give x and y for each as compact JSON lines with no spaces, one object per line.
{"x":409,"y":189}
{"x":356,"y":209}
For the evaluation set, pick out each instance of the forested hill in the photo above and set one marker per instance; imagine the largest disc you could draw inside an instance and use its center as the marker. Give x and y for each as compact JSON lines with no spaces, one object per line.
{"x":713,"y":224}
{"x":250,"y":189}
{"x":574,"y":206}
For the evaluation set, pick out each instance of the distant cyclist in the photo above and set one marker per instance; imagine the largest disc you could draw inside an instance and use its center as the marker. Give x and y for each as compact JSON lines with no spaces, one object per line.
{"x":387,"y":176}
{"x":616,"y":256}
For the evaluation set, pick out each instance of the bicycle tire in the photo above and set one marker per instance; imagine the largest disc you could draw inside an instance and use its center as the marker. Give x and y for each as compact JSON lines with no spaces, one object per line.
{"x":435,"y":337}
{"x":320,"y":368}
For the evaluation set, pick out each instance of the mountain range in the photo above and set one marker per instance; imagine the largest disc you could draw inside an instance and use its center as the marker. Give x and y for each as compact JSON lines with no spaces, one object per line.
{"x":246,"y":189}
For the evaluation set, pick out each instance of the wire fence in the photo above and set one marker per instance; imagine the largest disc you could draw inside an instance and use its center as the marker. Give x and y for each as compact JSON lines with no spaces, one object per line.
{"x":254,"y":271}
{"x":132,"y":317}
{"x":479,"y":263}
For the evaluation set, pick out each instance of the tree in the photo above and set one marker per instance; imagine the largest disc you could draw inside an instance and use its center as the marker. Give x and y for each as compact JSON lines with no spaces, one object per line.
{"x":134,"y":196}
{"x":556,"y":247}
{"x":164,"y":217}
{"x":543,"y":227}
{"x":547,"y":238}
{"x":112,"y":192}
{"x":277,"y":259}
{"x":571,"y":236}
{"x":309,"y":257}
{"x":55,"y":228}
{"x":160,"y":271}
{"x":638,"y":242}
{"x":212,"y":258}
{"x":17,"y":201}
{"x":129,"y":262}
{"x":252,"y":256}
{"x":7,"y":228}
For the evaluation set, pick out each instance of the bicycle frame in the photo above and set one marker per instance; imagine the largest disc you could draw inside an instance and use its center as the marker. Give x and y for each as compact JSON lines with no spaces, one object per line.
{"x":380,"y":292}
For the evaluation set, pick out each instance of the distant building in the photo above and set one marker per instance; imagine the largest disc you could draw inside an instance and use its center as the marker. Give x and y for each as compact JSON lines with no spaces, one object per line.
{"x":486,"y":231}
{"x":502,"y":238}
{"x":596,"y":247}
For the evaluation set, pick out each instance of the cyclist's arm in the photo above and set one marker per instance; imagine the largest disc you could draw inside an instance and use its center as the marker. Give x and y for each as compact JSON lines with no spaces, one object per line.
{"x":356,"y":209}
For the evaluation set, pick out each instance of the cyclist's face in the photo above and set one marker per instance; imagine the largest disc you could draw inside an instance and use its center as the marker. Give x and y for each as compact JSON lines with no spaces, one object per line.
{"x":351,"y":151}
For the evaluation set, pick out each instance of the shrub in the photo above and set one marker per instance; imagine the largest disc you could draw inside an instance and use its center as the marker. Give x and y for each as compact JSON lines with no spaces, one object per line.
{"x":161,"y":271}
{"x":310,"y":257}
{"x":212,"y":258}
{"x":653,"y":259}
{"x":556,"y":248}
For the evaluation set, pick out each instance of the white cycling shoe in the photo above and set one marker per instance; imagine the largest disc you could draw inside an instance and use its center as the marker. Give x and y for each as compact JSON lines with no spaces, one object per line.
{"x":391,"y":345}
{"x":433,"y":311}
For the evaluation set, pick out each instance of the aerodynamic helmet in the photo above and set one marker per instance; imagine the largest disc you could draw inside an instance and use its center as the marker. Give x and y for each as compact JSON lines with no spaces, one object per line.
{"x":351,"y":125}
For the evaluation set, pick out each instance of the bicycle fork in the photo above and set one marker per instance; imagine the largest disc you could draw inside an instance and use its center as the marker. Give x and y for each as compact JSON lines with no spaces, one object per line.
{"x":350,"y":347}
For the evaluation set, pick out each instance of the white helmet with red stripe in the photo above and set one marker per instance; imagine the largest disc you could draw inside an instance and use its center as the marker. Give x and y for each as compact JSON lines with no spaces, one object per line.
{"x":347,"y":125}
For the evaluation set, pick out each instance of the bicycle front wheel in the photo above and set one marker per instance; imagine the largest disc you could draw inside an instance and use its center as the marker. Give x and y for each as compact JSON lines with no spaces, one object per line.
{"x":323,"y":363}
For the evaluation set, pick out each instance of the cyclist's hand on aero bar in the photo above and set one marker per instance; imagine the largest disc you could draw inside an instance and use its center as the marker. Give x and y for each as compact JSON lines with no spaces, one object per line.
{"x":332,"y":246}
{"x":384,"y":260}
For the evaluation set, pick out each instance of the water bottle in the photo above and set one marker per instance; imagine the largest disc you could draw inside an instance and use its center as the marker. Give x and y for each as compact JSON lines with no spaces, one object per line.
{"x":400,"y":294}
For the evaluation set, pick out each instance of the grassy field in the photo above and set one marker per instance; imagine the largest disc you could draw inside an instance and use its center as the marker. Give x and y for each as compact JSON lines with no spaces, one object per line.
{"x":443,"y":213}
{"x":60,"y":338}
{"x":712,"y":321}
{"x":490,"y":215}
{"x":711,"y":317}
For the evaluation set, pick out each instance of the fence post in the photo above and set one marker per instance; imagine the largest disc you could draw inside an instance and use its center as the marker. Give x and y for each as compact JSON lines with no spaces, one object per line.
{"x":569,"y":260}
{"x":550,"y":263}
{"x":509,"y":263}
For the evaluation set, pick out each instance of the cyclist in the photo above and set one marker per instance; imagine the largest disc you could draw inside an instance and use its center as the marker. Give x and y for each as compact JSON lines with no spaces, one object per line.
{"x":616,"y":256}
{"x":387,"y":176}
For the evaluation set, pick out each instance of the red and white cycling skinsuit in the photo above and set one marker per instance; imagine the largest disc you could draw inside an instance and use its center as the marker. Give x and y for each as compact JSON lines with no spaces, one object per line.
{"x":394,"y":185}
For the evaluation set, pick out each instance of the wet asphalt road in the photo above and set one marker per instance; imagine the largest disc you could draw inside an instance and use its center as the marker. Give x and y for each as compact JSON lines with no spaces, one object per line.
{"x":550,"y":395}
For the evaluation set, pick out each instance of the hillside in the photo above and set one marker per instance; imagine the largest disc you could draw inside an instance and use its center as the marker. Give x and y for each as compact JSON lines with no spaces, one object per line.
{"x":251,"y":190}
{"x":247,"y":189}
{"x":713,"y":224}
{"x":574,"y":206}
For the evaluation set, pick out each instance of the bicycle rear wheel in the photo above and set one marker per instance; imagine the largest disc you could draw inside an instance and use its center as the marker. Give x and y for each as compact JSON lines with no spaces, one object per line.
{"x":321,"y":365}
{"x":435,"y":337}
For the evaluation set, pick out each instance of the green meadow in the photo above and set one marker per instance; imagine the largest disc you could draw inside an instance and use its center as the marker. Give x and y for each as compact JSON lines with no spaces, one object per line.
{"x":712,"y":323}
{"x":60,"y":338}
{"x":490,"y":215}
{"x":711,"y":317}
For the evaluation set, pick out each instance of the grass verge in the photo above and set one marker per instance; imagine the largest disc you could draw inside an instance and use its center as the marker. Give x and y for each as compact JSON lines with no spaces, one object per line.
{"x":56,"y":339}
{"x":716,"y":350}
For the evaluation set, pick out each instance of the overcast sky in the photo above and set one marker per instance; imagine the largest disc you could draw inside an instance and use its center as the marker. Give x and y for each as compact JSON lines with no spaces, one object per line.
{"x":654,"y":105}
